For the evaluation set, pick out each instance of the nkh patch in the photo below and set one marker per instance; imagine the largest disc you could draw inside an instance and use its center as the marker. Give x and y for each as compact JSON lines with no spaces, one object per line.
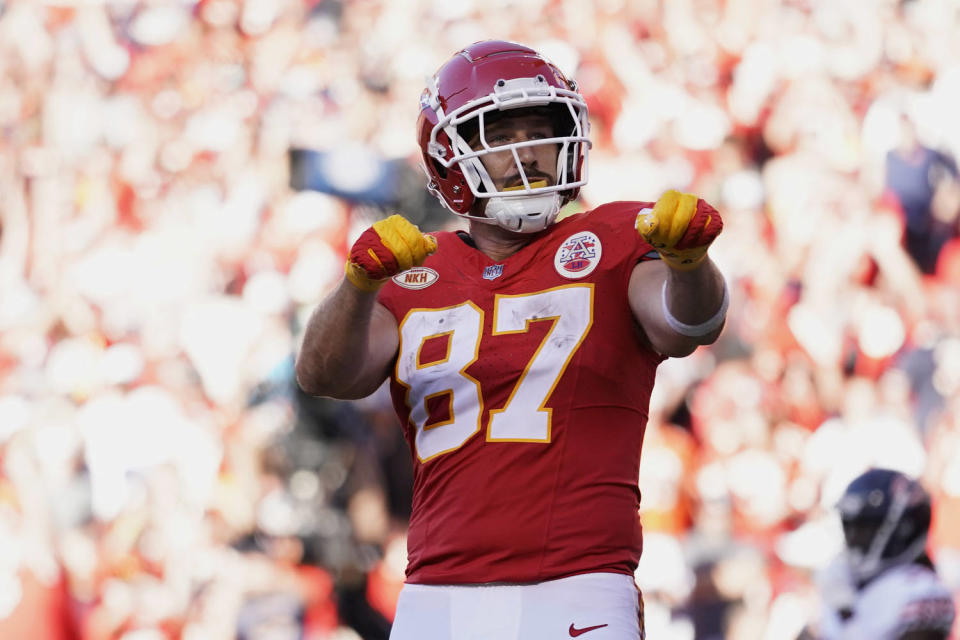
{"x":492,"y":272}
{"x":578,"y":255}
{"x":416,"y":278}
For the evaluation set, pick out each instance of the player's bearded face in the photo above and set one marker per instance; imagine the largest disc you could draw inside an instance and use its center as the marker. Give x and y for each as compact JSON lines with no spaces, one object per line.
{"x":539,"y":161}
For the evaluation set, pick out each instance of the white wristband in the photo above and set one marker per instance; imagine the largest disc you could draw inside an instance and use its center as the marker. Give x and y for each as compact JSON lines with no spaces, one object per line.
{"x":696,"y":330}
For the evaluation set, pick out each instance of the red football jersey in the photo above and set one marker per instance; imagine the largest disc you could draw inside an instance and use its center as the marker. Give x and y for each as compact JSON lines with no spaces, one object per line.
{"x":523,"y":387}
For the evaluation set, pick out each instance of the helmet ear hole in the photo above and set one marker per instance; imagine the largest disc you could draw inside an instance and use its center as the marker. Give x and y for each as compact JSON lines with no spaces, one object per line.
{"x":439,"y":168}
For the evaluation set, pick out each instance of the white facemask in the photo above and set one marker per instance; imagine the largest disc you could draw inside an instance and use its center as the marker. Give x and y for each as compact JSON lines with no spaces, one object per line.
{"x":537,"y":205}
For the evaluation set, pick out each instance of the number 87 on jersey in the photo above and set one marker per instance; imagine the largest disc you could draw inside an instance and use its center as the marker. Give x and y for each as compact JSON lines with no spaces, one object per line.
{"x":438,"y":346}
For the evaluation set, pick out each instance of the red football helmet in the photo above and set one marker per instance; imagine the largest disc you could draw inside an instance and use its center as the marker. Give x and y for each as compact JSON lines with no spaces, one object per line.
{"x":472,"y":88}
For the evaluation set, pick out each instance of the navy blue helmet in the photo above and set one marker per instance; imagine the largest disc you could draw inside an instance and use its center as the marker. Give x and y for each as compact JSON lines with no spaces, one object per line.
{"x":886,"y":517}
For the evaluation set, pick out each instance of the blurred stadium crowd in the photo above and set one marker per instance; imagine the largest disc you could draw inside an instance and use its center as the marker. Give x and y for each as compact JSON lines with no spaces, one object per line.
{"x":179,"y":182}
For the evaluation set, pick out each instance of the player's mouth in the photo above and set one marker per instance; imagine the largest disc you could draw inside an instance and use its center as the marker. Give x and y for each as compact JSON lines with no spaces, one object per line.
{"x":517,"y":185}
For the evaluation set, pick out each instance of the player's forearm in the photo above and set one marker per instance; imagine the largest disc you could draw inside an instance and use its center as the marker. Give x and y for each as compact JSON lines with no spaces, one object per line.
{"x":694,"y":301}
{"x":336,"y":342}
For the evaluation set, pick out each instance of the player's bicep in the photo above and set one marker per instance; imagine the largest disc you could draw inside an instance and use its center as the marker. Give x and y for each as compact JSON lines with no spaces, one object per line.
{"x":382,"y":345}
{"x":644,"y":293}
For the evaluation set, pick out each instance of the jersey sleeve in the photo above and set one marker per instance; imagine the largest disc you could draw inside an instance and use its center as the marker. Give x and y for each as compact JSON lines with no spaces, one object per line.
{"x":390,"y":292}
{"x":387,"y":299}
{"x":619,"y":220}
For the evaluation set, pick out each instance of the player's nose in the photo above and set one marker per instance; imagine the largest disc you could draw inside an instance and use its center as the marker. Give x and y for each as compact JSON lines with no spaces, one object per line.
{"x":527,"y":155}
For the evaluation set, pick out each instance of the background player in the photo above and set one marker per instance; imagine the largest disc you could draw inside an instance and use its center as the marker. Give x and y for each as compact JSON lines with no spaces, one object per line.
{"x":521,"y":356}
{"x":885,"y":585}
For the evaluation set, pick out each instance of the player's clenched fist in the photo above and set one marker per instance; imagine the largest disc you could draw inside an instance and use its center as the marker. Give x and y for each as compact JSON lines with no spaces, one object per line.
{"x":384,"y":250}
{"x":680,"y":227}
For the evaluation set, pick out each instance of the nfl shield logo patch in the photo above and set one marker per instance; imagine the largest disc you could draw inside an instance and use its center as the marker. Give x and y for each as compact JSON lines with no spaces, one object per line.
{"x":493,"y":272}
{"x":578,"y":255}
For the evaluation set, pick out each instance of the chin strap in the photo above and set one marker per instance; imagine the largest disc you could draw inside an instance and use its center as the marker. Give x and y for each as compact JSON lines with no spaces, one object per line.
{"x":524,"y":214}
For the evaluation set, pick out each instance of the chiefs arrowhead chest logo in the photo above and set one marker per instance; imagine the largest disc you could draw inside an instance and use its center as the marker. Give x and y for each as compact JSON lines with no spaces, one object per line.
{"x":578,"y":255}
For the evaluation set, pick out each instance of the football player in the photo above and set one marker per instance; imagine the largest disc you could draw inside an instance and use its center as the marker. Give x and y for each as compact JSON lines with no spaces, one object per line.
{"x":521,"y":356}
{"x":885,"y":586}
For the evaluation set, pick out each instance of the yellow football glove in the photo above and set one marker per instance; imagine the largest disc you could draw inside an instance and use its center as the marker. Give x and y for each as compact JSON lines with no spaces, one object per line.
{"x":680,"y":227}
{"x":387,"y":248}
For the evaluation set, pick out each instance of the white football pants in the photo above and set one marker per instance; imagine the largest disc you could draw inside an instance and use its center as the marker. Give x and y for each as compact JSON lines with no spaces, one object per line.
{"x":593,"y":606}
